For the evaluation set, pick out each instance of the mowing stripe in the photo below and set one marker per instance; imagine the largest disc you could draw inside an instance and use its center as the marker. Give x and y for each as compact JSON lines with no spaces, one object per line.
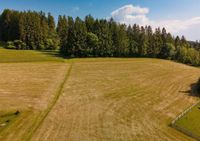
{"x":40,"y":119}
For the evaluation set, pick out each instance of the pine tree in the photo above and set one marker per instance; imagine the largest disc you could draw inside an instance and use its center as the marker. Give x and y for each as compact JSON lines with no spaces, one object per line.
{"x":157,"y":43}
{"x":143,"y":43}
{"x":89,"y":21}
{"x":150,"y":49}
{"x":99,"y":38}
{"x":52,"y":41}
{"x":121,"y":41}
{"x":102,"y":30}
{"x":62,"y":30}
{"x":80,"y":34}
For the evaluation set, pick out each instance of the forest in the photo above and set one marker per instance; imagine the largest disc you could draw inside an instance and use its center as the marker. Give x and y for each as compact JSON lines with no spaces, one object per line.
{"x":90,"y":37}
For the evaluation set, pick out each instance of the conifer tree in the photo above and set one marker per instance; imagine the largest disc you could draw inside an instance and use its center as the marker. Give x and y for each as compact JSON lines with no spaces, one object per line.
{"x":93,"y":37}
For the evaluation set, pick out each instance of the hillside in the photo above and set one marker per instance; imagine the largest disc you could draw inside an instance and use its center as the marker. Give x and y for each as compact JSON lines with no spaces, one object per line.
{"x":8,"y":55}
{"x":94,"y":99}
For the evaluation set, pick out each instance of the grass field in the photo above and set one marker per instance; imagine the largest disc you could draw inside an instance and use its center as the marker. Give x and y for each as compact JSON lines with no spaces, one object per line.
{"x":190,"y":122}
{"x":27,"y":56}
{"x":122,"y":99}
{"x":27,"y":88}
{"x":92,"y":99}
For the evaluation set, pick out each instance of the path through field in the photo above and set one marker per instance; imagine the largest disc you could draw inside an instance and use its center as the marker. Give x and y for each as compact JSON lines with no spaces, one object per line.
{"x":27,"y":88}
{"x":120,"y":100}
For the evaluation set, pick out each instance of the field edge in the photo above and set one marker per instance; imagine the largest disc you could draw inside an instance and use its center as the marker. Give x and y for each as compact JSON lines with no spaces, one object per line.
{"x":50,"y":105}
{"x":187,"y":132}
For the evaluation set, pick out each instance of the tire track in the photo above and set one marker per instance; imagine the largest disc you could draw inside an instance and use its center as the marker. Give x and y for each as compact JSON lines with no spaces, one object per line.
{"x":50,"y":106}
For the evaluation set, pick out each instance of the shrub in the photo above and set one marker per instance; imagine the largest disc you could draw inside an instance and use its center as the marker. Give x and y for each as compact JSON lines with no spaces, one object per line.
{"x":51,"y":44}
{"x":19,"y":44}
{"x":92,"y":42}
{"x":10,"y":45}
{"x":16,"y":44}
{"x":188,"y":56}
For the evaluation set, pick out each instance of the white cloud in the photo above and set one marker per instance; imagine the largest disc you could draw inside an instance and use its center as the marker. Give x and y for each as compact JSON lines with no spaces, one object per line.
{"x":130,"y":14}
{"x":75,"y":9}
{"x":177,"y":26}
{"x":129,"y":10}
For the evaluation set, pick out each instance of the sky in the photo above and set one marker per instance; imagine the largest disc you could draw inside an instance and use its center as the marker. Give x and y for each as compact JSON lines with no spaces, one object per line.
{"x":180,"y":17}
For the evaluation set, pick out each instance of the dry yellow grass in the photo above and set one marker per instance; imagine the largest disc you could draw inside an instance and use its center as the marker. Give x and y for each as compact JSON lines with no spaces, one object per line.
{"x":28,"y":88}
{"x":120,"y":100}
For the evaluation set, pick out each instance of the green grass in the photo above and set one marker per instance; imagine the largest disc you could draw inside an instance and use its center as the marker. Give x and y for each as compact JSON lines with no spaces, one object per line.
{"x":7,"y":118}
{"x":120,"y":99}
{"x":190,"y":122}
{"x":7,"y":55}
{"x":98,"y":99}
{"x":49,"y":108}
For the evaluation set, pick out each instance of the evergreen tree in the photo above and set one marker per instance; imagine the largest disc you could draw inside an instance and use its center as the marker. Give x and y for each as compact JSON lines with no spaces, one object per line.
{"x":62,"y":30}
{"x":150,"y":49}
{"x":143,"y":43}
{"x":52,"y":41}
{"x":89,"y":21}
{"x":80,"y":34}
{"x":157,"y":43}
{"x":93,"y":37}
{"x":102,"y":30}
{"x":92,"y":43}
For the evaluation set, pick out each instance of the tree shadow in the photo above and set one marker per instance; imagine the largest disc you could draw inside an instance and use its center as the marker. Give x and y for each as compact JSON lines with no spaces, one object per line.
{"x":53,"y":53}
{"x":193,"y":90}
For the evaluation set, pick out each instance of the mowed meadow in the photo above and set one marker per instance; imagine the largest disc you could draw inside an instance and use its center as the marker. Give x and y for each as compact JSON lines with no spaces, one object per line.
{"x":96,"y":99}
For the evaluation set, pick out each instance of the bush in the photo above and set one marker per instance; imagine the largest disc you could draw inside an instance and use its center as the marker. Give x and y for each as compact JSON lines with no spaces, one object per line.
{"x":10,"y":45}
{"x":193,"y":57}
{"x":92,"y":44}
{"x":51,"y":44}
{"x":19,"y":44}
{"x":188,"y":56}
{"x":16,"y":44}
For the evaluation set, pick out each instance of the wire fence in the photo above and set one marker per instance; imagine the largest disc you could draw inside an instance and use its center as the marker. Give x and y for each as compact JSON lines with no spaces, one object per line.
{"x":181,"y":129}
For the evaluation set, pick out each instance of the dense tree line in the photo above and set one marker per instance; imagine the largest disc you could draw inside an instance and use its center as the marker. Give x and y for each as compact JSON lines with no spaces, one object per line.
{"x":28,"y":30}
{"x":107,"y":38}
{"x":93,"y":37}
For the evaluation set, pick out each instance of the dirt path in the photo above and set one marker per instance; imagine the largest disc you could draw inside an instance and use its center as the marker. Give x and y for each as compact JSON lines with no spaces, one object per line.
{"x":50,"y":105}
{"x":28,"y":88}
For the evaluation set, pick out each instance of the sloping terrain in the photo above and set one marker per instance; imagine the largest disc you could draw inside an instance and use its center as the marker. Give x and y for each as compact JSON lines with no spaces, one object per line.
{"x":120,"y":100}
{"x":189,"y":122}
{"x":27,"y":88}
{"x":8,"y":55}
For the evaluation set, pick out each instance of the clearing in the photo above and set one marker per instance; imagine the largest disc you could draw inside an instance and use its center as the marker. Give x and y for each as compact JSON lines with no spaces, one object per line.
{"x":91,"y":99}
{"x":120,"y":100}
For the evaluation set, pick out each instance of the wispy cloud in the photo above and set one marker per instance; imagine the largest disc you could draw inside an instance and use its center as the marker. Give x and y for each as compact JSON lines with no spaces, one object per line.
{"x":75,"y":9}
{"x":130,"y":14}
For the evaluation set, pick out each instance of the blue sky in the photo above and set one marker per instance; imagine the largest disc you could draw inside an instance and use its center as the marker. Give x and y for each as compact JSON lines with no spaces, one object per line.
{"x":179,"y":16}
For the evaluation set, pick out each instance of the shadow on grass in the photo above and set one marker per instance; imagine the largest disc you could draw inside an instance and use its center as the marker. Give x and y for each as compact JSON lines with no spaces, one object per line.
{"x":2,"y":44}
{"x":52,"y":53}
{"x":6,"y":119}
{"x":193,"y":90}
